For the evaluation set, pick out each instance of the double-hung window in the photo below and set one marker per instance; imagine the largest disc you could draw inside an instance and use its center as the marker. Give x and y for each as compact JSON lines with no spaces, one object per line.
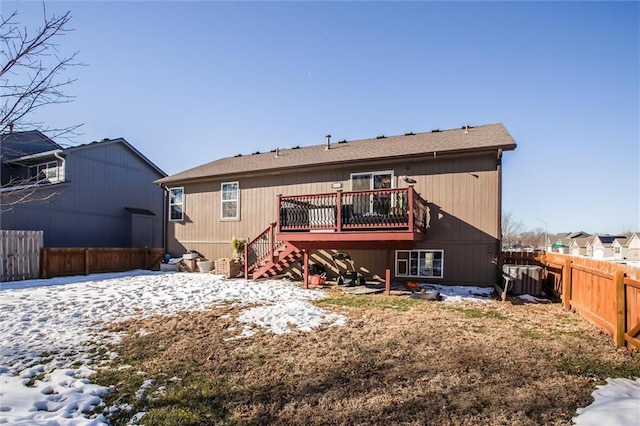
{"x":230,"y":200}
{"x":176,"y":204}
{"x":45,"y":172}
{"x":420,"y":263}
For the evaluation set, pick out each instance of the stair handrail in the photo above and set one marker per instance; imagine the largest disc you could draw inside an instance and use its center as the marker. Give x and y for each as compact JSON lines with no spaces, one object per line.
{"x":262,"y":247}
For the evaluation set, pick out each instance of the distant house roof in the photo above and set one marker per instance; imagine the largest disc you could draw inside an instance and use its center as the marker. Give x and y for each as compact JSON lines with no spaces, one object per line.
{"x":578,"y":234}
{"x":479,"y":138}
{"x":608,"y":239}
{"x":21,"y":144}
{"x":122,"y":141}
{"x":580,"y":242}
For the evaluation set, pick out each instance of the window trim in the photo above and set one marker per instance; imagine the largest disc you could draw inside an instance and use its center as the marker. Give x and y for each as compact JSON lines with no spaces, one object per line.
{"x":408,"y":266}
{"x":236,"y":200}
{"x":181,"y":204}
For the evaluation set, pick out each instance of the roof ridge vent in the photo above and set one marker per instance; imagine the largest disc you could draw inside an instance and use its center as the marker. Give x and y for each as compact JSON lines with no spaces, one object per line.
{"x":436,"y":130}
{"x":381,"y":137}
{"x":409,"y":134}
{"x":296,"y":147}
{"x":255,"y":153}
{"x":343,"y":141}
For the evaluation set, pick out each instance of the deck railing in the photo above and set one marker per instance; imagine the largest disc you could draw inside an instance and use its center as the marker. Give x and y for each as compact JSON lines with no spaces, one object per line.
{"x":379,"y":209}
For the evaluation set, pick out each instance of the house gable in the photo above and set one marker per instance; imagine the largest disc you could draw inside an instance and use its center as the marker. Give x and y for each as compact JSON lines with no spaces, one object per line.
{"x":103,"y":145}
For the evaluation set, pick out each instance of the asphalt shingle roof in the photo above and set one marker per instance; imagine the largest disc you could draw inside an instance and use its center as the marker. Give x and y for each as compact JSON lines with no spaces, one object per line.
{"x":491,"y":136}
{"x":18,"y":144}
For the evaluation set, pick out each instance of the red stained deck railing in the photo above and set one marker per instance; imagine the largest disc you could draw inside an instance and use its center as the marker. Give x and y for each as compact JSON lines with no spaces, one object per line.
{"x":367,"y":211}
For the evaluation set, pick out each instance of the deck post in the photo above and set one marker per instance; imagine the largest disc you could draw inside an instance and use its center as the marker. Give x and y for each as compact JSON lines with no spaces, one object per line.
{"x":271,"y":241}
{"x":339,"y":211}
{"x":305,"y":274}
{"x":387,"y":274}
{"x":410,"y":209}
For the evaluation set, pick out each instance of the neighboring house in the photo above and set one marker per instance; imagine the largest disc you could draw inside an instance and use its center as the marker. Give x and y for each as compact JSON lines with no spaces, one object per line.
{"x":99,"y":194}
{"x":603,"y":246}
{"x":633,"y":247}
{"x":563,"y":242}
{"x":559,"y":243}
{"x":620,"y":246}
{"x":422,"y":207}
{"x":578,"y":246}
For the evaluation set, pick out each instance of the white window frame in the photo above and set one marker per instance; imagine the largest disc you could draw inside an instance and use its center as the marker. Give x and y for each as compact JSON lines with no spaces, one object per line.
{"x":181,"y":204}
{"x":420,"y":254}
{"x":223,"y":201}
{"x":50,"y":169}
{"x":372,"y":174}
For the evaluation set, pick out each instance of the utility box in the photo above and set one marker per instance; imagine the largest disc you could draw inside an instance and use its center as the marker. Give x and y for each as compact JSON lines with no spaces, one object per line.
{"x":524,"y":279}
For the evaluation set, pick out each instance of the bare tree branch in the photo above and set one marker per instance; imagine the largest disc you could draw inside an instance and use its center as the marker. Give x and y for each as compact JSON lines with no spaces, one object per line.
{"x":512,"y":229}
{"x":31,"y":78}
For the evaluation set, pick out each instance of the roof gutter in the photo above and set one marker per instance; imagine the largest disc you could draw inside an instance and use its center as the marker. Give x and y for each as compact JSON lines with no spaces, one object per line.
{"x":26,"y":159}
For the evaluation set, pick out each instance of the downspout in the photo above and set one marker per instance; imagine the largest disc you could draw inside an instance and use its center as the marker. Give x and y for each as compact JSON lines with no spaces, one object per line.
{"x":499,"y":216}
{"x":165,"y":222}
{"x":63,"y":167}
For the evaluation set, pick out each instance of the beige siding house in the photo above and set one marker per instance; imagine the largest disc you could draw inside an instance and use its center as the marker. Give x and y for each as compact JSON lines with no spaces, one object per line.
{"x":633,"y":247}
{"x":578,"y":246}
{"x":603,"y":246}
{"x":422,"y":206}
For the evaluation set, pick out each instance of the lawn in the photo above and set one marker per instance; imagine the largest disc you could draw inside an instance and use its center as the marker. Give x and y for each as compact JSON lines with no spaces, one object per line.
{"x":395,"y":360}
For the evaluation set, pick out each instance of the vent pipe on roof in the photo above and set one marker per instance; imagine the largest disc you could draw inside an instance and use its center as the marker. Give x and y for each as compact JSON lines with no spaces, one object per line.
{"x":328,"y":142}
{"x":466,"y":128}
{"x":277,"y":152}
{"x":11,"y":127}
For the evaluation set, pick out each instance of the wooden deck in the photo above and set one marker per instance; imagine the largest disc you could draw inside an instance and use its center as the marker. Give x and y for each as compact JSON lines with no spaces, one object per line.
{"x":381,"y":217}
{"x":387,"y":219}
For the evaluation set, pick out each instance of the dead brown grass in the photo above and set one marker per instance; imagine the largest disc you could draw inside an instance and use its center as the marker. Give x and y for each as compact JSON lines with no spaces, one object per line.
{"x":435,"y":363}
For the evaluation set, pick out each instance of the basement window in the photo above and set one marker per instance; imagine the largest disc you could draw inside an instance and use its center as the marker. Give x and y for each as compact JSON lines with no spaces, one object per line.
{"x":176,"y":204}
{"x":420,"y":263}
{"x":230,"y":193}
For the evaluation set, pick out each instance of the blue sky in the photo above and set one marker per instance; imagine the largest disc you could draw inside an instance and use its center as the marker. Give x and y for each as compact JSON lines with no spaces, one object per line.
{"x":191,"y":82}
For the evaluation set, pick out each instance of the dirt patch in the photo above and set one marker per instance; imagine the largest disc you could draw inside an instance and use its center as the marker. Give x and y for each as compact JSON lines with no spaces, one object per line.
{"x":427,"y":363}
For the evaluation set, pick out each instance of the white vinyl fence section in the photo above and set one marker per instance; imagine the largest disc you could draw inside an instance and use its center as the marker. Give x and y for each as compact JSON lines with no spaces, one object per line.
{"x":20,"y":255}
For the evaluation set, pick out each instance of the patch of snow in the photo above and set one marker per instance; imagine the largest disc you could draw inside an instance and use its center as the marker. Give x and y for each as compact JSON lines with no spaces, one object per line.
{"x":615,"y":404}
{"x":49,"y":327}
{"x":532,"y":299}
{"x":458,"y":293}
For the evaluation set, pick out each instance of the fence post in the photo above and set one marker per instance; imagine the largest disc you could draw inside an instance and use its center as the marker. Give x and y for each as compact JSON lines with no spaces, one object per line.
{"x":566,"y":284}
{"x":618,"y":331}
{"x":44,"y":263}
{"x":86,"y":261}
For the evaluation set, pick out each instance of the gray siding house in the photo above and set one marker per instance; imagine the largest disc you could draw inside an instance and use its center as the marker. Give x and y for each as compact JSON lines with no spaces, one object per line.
{"x":100,"y":194}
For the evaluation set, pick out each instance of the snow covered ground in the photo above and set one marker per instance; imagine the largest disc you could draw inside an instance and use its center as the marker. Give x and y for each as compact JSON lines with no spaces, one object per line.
{"x":49,"y":329}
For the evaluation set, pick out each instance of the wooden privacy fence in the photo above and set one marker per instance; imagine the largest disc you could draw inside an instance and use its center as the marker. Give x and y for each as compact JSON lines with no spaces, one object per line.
{"x":59,"y":262}
{"x":605,"y":293}
{"x":20,"y":255}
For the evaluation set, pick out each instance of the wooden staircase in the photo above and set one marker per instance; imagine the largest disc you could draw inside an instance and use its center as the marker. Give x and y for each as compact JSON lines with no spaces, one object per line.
{"x":266,"y":257}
